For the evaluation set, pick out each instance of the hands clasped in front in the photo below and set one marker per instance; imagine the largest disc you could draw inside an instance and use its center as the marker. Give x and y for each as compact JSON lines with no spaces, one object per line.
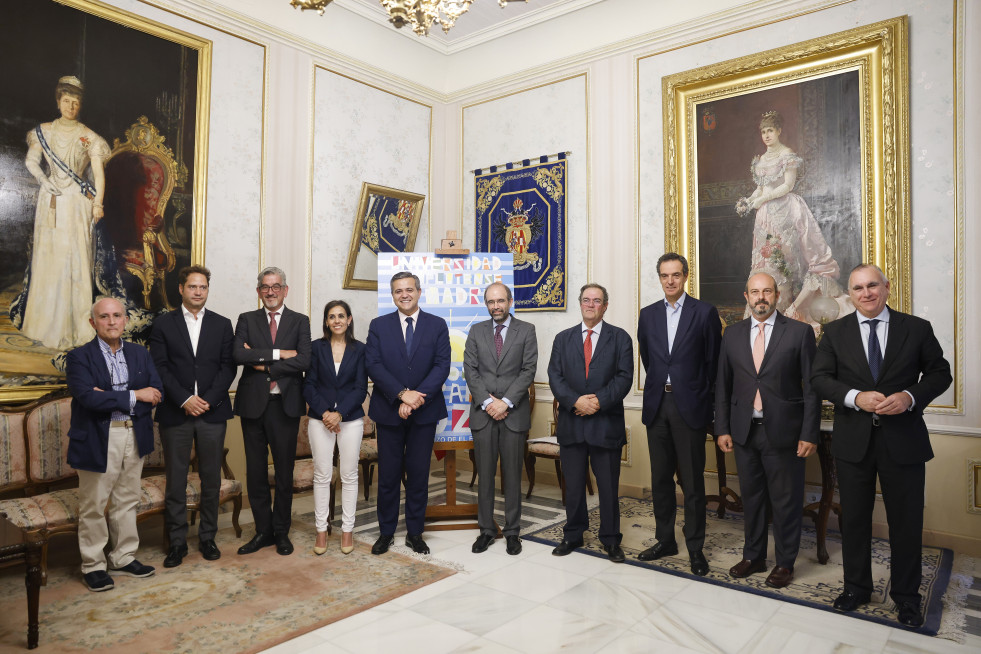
{"x":876,"y":402}
{"x":411,"y":400}
{"x":586,"y":405}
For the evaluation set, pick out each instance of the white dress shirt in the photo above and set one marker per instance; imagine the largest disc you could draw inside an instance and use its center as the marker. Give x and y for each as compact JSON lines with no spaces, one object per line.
{"x":673,"y":314}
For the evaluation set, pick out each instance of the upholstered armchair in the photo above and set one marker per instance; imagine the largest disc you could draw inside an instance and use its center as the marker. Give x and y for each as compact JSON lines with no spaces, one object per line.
{"x":140,"y":177}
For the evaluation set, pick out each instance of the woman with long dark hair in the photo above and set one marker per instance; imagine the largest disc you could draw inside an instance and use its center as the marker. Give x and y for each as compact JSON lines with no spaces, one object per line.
{"x":335,"y":388}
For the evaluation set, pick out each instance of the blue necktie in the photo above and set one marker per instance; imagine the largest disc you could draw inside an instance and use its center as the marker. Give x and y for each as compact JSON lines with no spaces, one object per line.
{"x":875,"y":353}
{"x":408,"y":336}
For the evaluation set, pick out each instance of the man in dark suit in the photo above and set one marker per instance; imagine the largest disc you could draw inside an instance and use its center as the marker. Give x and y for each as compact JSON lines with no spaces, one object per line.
{"x":192,"y":349}
{"x":114,"y":388}
{"x":765,"y":405}
{"x":590,"y":372}
{"x":500,"y":360}
{"x":273,"y":346}
{"x":679,"y":340}
{"x":408,"y":357}
{"x":881,"y":369}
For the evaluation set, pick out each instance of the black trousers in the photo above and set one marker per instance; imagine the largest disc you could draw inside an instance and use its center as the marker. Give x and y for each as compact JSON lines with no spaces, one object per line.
{"x":408,"y":446}
{"x":208,"y":439}
{"x":902,"y":493}
{"x":273,"y":432}
{"x":672,"y":443}
{"x":606,"y":468}
{"x":774,"y":474}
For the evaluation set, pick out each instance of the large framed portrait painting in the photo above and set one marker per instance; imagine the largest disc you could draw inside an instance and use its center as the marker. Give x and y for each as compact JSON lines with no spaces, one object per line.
{"x":102,"y":162}
{"x":792,"y":162}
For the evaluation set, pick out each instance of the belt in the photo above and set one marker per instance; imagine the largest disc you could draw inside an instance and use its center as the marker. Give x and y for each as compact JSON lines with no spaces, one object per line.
{"x":757,"y":421}
{"x":667,"y":388}
{"x":128,"y":424}
{"x":275,"y":396}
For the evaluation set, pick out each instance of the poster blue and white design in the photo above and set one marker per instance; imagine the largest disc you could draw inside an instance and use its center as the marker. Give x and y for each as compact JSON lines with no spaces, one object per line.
{"x":453,"y":289}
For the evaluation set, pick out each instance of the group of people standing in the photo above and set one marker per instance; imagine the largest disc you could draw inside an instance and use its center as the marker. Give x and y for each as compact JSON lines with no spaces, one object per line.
{"x":759,"y":383}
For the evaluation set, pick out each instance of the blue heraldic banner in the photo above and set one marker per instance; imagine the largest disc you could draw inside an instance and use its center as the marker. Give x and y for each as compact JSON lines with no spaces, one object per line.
{"x":387,"y":224}
{"x":521,"y":210}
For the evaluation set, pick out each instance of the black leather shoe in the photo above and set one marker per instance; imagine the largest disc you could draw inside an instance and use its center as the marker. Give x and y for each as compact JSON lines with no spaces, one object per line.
{"x":910,"y":615}
{"x":283,"y":545}
{"x":699,"y":566}
{"x":849,"y":601}
{"x":482,"y":543}
{"x":615,"y":552}
{"x":658,"y":551}
{"x":382,"y":544}
{"x":417,"y":544}
{"x":514,"y":545}
{"x":257,"y":543}
{"x":209,"y":550}
{"x":175,"y":555}
{"x":566,"y":547}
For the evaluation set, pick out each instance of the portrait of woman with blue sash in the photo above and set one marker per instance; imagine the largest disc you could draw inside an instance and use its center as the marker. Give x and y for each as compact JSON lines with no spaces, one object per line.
{"x":54,"y":306}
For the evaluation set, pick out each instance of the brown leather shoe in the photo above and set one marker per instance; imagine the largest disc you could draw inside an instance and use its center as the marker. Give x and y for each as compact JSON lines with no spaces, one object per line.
{"x":779,"y":577}
{"x":746,"y":567}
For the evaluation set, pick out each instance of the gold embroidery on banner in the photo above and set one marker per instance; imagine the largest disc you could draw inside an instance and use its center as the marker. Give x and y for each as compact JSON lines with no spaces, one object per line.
{"x":550,"y":292}
{"x":486,"y":190}
{"x":370,"y":235}
{"x":551,"y":181}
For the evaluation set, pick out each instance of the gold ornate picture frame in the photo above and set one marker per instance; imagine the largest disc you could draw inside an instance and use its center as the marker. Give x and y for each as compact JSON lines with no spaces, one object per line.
{"x":147,"y":93}
{"x":387,"y":220}
{"x":844,"y":101}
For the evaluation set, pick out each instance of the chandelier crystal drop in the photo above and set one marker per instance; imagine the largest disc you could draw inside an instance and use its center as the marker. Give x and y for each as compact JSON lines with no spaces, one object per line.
{"x":313,"y":5}
{"x":420,"y":14}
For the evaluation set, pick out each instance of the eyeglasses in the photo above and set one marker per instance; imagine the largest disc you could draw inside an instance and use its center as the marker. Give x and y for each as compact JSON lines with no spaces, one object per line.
{"x":265,"y":288}
{"x":591,"y":301}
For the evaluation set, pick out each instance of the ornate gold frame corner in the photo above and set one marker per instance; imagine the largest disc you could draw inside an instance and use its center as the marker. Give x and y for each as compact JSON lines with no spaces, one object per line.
{"x":367,"y":190}
{"x":880,"y":53}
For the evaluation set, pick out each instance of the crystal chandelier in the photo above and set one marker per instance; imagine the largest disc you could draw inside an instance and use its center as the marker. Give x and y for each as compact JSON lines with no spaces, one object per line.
{"x":420,"y":14}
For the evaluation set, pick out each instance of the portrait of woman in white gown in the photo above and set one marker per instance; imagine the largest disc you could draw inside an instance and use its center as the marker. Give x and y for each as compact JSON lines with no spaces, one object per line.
{"x":787,"y":240}
{"x":53,"y":308}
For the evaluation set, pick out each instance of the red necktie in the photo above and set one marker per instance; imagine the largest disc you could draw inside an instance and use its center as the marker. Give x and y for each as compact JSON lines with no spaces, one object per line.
{"x":272,"y":335}
{"x":587,"y":349}
{"x":498,"y":340}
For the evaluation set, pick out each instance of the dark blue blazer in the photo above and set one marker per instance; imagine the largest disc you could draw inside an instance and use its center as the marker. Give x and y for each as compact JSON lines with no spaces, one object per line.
{"x":212,"y":368}
{"x":342,"y":391}
{"x":611,"y":374}
{"x":692,"y":363}
{"x":92,"y":410}
{"x":392,"y":369}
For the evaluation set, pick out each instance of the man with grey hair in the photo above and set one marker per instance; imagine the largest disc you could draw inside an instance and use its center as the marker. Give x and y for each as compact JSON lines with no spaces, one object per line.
{"x":272,"y":344}
{"x":881,"y":369}
{"x":500,"y":360}
{"x":114,"y":388}
{"x":590,"y":372}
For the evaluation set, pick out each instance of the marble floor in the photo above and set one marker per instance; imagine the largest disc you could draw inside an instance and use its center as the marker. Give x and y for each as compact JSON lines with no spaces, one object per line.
{"x":539,"y":603}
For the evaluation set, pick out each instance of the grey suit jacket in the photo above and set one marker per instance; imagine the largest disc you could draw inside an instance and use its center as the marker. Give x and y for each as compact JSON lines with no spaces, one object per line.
{"x":791,"y":408}
{"x":508,"y":377}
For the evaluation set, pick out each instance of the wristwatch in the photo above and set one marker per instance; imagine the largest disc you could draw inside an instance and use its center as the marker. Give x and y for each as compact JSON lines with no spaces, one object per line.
{"x":402,"y":392}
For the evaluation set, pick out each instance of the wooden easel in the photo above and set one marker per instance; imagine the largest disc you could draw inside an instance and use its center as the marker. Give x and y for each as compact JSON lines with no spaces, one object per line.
{"x":451,"y":510}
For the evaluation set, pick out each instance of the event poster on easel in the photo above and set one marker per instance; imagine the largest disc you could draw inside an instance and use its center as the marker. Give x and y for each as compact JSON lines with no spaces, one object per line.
{"x":453,"y":289}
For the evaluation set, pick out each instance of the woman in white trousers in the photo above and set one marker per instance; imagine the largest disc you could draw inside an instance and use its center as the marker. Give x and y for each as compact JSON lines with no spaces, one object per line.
{"x":335,"y":388}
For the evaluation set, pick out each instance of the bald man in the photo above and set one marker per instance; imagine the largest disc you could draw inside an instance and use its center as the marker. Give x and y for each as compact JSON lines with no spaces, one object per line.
{"x":767,"y":412}
{"x":114,"y":388}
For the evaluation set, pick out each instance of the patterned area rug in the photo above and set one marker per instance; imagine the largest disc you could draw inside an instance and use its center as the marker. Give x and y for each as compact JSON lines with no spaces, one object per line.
{"x":814,"y":585}
{"x":235,"y":604}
